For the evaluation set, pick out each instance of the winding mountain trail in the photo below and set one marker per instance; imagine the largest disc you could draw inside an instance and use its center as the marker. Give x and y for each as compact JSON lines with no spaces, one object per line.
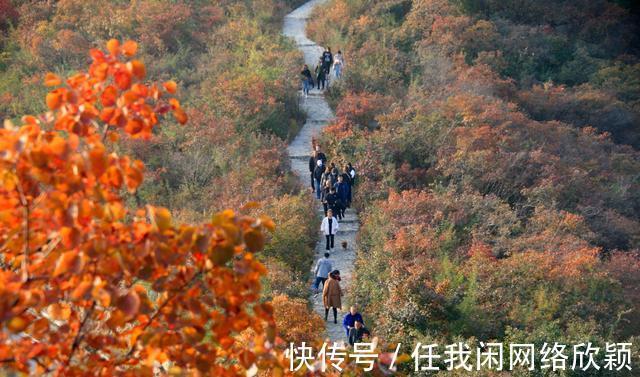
{"x":318,"y":115}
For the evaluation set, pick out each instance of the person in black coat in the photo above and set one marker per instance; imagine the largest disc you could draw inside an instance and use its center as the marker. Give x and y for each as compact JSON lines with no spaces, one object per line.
{"x":343,"y":192}
{"x":321,"y":156}
{"x":312,"y":167}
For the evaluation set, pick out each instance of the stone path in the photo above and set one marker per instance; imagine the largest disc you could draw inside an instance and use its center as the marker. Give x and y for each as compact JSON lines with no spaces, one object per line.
{"x":318,"y":114}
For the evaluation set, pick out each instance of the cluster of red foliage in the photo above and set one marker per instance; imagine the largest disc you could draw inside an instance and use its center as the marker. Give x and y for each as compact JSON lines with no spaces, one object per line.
{"x":89,"y":287}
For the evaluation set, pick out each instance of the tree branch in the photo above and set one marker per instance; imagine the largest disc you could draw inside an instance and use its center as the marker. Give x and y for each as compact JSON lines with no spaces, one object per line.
{"x":78,"y":337}
{"x":157,"y":312}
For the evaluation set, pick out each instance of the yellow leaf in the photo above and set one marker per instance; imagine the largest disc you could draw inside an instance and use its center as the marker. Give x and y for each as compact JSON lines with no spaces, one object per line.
{"x":160,"y":217}
{"x":59,"y":311}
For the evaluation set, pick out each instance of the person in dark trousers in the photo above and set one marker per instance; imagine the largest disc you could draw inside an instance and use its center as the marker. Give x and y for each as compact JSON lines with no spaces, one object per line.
{"x":323,"y":267}
{"x":357,"y":333}
{"x":346,"y":177}
{"x":312,"y":168}
{"x":327,"y":60}
{"x":349,"y":320}
{"x":330,"y":201}
{"x":320,"y":74}
{"x":352,"y":173}
{"x":317,"y":177}
{"x":307,"y":80}
{"x":330,"y":227}
{"x":331,"y":295}
{"x":326,"y":193}
{"x":344,"y":193}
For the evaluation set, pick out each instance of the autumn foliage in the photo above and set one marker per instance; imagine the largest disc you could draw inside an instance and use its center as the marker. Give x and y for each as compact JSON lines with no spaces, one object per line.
{"x":90,"y":287}
{"x":497,"y":157}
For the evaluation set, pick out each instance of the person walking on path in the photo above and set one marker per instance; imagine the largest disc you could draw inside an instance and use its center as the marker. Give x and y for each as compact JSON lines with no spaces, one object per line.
{"x":320,"y":74}
{"x":332,"y":295}
{"x":330,"y":200}
{"x":338,"y":64}
{"x":352,"y":173}
{"x":327,"y":60}
{"x":323,"y":267}
{"x":319,"y":155}
{"x":307,"y":80}
{"x":330,"y":228}
{"x":317,"y":176}
{"x":349,"y":320}
{"x":326,"y":193}
{"x":344,"y":195}
{"x":357,"y":333}
{"x":312,"y":168}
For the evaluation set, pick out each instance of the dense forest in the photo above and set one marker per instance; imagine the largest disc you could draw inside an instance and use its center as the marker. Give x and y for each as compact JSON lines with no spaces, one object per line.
{"x":497,"y":144}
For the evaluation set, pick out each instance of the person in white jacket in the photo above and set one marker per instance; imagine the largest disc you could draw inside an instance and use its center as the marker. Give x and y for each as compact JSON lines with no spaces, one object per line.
{"x":330,"y":228}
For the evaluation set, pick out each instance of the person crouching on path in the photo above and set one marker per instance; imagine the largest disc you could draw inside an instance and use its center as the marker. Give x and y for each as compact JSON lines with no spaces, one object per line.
{"x":330,"y":228}
{"x":323,"y":267}
{"x":332,"y":295}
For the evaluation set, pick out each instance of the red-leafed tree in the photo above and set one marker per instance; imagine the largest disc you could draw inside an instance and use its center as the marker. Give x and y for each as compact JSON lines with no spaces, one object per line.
{"x":89,"y":287}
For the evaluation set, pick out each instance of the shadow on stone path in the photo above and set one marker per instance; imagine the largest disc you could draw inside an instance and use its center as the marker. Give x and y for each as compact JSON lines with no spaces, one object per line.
{"x":318,"y":114}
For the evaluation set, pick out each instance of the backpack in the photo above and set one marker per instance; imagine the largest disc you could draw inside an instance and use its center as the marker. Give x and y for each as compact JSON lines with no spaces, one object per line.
{"x":327,"y":58}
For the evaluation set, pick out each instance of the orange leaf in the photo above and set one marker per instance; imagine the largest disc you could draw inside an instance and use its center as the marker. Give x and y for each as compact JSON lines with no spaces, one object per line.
{"x":113,"y":45}
{"x":109,"y":96}
{"x":17,"y":324}
{"x":170,"y":86}
{"x":68,"y":262}
{"x":82,"y":291}
{"x":137,"y":68}
{"x":123,"y":79}
{"x":129,"y":48}
{"x":54,"y":100}
{"x":134,"y":126}
{"x":59,"y":311}
{"x":180,"y":115}
{"x":129,"y":304}
{"x":52,"y":80}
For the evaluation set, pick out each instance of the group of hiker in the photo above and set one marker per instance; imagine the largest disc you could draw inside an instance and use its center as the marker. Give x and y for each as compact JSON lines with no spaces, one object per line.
{"x":322,"y":71}
{"x":332,"y":300}
{"x":334,"y":188}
